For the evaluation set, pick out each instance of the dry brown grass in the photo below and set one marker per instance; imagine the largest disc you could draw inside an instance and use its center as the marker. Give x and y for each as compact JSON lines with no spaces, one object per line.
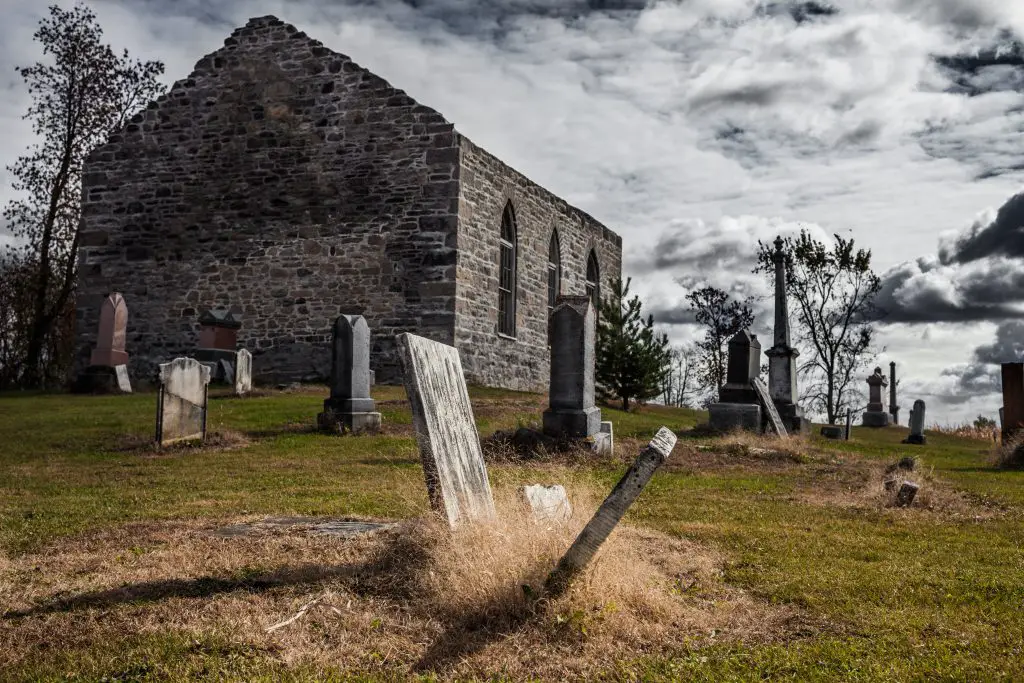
{"x":1009,"y":455}
{"x":967,"y":431}
{"x":414,"y":600}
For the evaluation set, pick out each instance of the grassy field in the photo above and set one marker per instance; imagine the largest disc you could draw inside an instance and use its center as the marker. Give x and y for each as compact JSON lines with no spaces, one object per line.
{"x":753,"y":558}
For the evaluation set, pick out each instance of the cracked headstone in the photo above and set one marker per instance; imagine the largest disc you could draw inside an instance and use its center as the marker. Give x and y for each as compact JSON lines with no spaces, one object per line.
{"x":182,"y":401}
{"x":774,"y":419}
{"x":601,"y":525}
{"x":548,"y":503}
{"x":453,"y":461}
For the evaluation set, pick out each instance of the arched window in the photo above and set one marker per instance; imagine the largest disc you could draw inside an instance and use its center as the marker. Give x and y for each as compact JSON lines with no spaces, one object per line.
{"x":554,"y":271}
{"x":507,"y":273}
{"x":594,"y":280}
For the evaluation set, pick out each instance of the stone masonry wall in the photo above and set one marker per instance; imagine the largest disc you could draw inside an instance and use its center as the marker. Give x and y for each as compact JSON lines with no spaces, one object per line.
{"x":486,"y":184}
{"x":286,"y":182}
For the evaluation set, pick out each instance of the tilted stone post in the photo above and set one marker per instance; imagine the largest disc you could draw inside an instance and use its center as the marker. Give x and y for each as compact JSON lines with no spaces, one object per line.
{"x":350,"y":408}
{"x":586,"y":545}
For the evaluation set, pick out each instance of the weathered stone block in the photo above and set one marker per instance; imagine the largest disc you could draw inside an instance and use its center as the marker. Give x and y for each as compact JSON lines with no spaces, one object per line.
{"x":725,"y":417}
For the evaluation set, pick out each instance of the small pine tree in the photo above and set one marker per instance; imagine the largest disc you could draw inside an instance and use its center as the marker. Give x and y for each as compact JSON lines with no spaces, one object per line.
{"x":632,"y":361}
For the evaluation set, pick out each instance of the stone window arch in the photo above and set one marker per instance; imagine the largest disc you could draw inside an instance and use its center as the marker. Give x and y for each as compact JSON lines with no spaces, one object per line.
{"x":507,"y":273}
{"x":554,"y":271}
{"x":594,"y":279}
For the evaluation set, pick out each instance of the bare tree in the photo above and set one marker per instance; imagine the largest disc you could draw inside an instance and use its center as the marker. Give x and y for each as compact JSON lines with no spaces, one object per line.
{"x":721,"y":318}
{"x":680,"y":383}
{"x":833,"y":288}
{"x":80,"y":95}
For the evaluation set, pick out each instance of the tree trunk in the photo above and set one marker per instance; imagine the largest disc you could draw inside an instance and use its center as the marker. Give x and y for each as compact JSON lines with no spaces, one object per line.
{"x":625,"y":403}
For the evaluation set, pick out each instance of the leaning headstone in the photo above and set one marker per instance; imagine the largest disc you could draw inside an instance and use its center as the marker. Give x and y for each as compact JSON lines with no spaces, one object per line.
{"x":243,"y":372}
{"x":597,"y":530}
{"x":774,"y":419}
{"x":182,"y":401}
{"x":226,"y":371}
{"x":604,"y":440}
{"x":905,"y":496}
{"x":875,"y":415}
{"x":108,"y":371}
{"x":916,"y":435}
{"x":1013,"y":399}
{"x":548,"y":503}
{"x":572,"y":411}
{"x":350,"y":408}
{"x":453,"y":462}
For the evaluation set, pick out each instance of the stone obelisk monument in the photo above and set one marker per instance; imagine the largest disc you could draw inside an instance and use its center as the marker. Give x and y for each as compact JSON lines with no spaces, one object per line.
{"x":782,"y":356}
{"x":893,"y":408}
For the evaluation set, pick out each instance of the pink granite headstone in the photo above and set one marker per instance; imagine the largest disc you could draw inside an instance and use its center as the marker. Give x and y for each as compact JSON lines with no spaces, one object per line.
{"x":109,"y":349}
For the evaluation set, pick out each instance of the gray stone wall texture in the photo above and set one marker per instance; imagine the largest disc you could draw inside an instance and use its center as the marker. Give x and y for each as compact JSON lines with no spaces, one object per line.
{"x":285,"y":182}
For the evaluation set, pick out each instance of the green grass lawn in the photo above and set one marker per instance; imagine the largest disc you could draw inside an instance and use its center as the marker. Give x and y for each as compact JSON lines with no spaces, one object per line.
{"x":891,"y":594}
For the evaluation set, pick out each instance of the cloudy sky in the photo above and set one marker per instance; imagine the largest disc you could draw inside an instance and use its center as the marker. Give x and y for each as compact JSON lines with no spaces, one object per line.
{"x":696,"y":127}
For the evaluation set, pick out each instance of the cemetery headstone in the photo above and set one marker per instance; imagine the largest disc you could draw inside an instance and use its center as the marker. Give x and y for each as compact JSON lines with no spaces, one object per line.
{"x":774,"y":419}
{"x":453,"y":462}
{"x":832,"y":431}
{"x":875,"y":415}
{"x":782,"y":364}
{"x":182,"y":401}
{"x":243,"y":372}
{"x":916,"y":435}
{"x":548,"y":503}
{"x":737,"y":406}
{"x":905,"y":496}
{"x":572,"y":411}
{"x":349,"y":407}
{"x":1013,"y":399}
{"x":597,"y":530}
{"x":107,"y":370}
{"x":849,"y":424}
{"x":604,"y":440}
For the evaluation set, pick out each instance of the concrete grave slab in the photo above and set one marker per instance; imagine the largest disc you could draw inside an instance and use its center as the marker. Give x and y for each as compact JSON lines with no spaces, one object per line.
{"x":453,"y":461}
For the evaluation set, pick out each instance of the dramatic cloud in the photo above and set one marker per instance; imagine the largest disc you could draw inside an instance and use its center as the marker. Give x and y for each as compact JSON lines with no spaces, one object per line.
{"x":1001,"y":235}
{"x":691,"y":127}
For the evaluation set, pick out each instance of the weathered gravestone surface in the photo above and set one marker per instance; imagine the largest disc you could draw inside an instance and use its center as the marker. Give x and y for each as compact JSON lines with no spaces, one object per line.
{"x":548,"y":503}
{"x":572,"y":411}
{"x":875,"y":415}
{"x":1013,"y":399}
{"x":182,"y":401}
{"x":597,"y":530}
{"x":905,"y":496}
{"x":737,"y":406}
{"x":604,"y":440}
{"x":453,"y":462}
{"x":243,"y":372}
{"x":350,"y":407}
{"x":108,"y":371}
{"x":774,"y":420}
{"x":916,"y":435}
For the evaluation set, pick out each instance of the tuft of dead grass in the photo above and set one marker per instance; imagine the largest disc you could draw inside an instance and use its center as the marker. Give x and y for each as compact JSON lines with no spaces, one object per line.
{"x":793,"y":447}
{"x":421,"y":599}
{"x":1009,"y":455}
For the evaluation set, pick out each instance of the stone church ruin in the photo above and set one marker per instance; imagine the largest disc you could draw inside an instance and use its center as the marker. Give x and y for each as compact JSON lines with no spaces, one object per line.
{"x":285,"y":183}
